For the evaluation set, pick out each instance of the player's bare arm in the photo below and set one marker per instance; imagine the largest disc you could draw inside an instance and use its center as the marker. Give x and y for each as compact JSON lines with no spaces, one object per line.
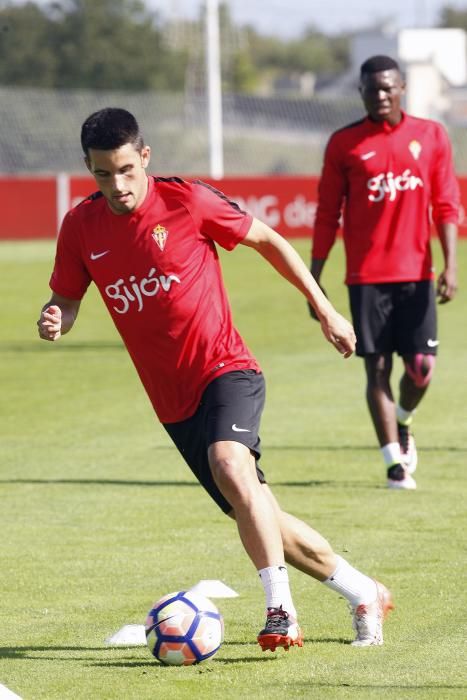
{"x":57,"y":317}
{"x":446,"y":286}
{"x":285,"y":259}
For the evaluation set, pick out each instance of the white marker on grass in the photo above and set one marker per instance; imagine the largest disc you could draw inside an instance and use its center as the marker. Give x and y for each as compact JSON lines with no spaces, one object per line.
{"x":7,"y":694}
{"x":135,"y":635}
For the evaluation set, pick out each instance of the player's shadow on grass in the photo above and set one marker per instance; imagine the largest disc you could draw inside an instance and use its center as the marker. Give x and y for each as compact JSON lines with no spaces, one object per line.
{"x":24,"y":652}
{"x":186,"y":484}
{"x":33,"y":653}
{"x":381,"y":687}
{"x":357,"y":448}
{"x":76,"y":346}
{"x":324,"y":483}
{"x":126,"y":664}
{"x":317,"y":483}
{"x":101,"y":482}
{"x":155,"y":664}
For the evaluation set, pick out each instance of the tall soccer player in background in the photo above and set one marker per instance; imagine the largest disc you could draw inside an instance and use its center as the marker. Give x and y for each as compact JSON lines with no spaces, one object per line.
{"x":149,"y":245}
{"x":388,"y":174}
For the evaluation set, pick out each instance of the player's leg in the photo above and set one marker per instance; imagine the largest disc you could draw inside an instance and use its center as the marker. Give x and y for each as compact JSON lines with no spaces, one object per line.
{"x":372,"y":309}
{"x":417,"y":344}
{"x":234,"y":404}
{"x":221,"y":445}
{"x":379,"y":397}
{"x":234,"y":471}
{"x":418,"y":372}
{"x":412,"y":388}
{"x":306,"y":550}
{"x":233,"y":407}
{"x":383,"y":412}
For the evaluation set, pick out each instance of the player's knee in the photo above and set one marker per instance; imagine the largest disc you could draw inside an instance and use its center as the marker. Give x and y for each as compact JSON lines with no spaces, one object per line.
{"x":420,"y":368}
{"x":224,"y":469}
{"x":230,"y":474}
{"x":378,"y":369}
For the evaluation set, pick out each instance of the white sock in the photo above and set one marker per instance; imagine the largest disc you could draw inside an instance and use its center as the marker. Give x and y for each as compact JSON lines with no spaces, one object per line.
{"x":352,"y":584}
{"x":391,"y":453}
{"x":275,"y":580}
{"x":404,"y":417}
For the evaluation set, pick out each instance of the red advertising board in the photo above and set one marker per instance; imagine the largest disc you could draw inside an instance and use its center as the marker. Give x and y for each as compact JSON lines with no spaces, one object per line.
{"x":34,"y":207}
{"x":29,"y":208}
{"x":287,"y":204}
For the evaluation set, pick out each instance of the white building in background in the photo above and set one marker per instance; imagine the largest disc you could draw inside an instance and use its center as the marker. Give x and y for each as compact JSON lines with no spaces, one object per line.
{"x":434,"y":60}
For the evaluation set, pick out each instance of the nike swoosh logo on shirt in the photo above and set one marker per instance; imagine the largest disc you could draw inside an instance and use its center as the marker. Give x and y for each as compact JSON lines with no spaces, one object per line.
{"x":367,"y":156}
{"x":96,"y":256}
{"x":240,"y":430}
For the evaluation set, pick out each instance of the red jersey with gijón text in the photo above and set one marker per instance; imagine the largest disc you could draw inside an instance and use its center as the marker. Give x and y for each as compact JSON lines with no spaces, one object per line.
{"x":158,"y":272}
{"x":384,"y":180}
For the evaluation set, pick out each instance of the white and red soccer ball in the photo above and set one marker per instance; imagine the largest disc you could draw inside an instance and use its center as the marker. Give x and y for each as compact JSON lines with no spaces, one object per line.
{"x":184,"y":628}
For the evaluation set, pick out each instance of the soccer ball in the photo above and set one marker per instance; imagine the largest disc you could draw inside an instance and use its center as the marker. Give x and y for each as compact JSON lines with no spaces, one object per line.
{"x":184,"y":628}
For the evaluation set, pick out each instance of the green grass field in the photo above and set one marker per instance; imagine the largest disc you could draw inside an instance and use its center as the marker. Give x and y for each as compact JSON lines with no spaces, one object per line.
{"x":99,"y":517}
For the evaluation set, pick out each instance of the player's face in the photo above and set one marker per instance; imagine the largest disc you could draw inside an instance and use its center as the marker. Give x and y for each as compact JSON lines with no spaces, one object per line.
{"x":121,"y":176}
{"x":381,"y":94}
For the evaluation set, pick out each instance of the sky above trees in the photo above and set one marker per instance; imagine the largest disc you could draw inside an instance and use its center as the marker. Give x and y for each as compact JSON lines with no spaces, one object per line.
{"x":288,"y":18}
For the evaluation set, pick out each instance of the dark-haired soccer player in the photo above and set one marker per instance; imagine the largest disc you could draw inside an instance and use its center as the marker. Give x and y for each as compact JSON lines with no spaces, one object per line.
{"x":385,"y":173}
{"x":149,"y":245}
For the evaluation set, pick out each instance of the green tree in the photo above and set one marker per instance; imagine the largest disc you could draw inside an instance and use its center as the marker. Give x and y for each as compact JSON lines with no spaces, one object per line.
{"x":111,"y":44}
{"x":271,"y":57}
{"x":450,"y":17}
{"x":244,"y":76}
{"x":25,"y":55}
{"x":314,"y":52}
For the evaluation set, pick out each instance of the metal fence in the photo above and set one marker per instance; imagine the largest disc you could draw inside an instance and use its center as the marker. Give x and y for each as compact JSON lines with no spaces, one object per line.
{"x":39,"y":130}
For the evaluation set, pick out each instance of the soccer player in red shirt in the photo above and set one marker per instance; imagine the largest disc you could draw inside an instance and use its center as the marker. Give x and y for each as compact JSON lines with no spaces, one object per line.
{"x":385,"y":173}
{"x":149,"y":245}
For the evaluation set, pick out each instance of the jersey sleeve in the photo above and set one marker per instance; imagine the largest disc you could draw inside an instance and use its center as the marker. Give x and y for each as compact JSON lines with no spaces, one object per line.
{"x":218,"y":217}
{"x":69,"y":278}
{"x":445,"y":187}
{"x":331,"y":191}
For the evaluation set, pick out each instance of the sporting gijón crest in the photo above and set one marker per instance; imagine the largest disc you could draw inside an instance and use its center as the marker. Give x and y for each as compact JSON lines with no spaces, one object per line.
{"x":160,"y":235}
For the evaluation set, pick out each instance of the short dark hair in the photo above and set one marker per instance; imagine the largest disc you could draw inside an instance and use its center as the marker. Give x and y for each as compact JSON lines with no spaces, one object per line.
{"x":376,"y":64}
{"x":110,"y":128}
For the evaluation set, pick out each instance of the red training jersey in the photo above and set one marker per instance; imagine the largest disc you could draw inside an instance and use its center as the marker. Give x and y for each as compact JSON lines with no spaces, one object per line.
{"x":386,"y":179}
{"x":158,"y":272}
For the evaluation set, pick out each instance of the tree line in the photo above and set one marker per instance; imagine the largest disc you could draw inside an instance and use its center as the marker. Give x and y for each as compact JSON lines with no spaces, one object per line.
{"x":121,"y":44}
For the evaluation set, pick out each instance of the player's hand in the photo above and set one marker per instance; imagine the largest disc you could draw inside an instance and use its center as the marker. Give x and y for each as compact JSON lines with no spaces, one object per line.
{"x":340,"y":333}
{"x":50,"y":323}
{"x":311,"y":309}
{"x":446,"y":286}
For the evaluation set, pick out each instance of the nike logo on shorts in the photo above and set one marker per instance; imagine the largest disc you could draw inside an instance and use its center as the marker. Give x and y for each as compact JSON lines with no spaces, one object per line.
{"x":96,"y":256}
{"x":432,"y":343}
{"x":240,"y":430}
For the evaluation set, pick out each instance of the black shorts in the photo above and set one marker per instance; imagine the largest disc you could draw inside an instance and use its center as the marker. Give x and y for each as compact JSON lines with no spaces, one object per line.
{"x":397,"y":317}
{"x":230,"y":409}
